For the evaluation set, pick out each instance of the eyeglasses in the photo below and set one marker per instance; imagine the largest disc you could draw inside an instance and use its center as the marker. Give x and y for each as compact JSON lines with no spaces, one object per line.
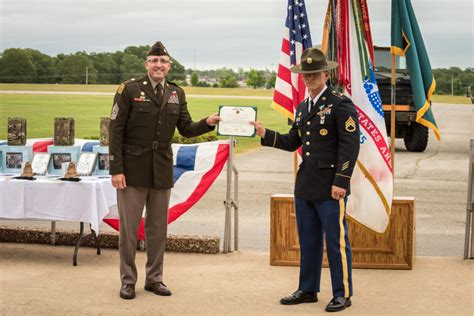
{"x":159,"y":60}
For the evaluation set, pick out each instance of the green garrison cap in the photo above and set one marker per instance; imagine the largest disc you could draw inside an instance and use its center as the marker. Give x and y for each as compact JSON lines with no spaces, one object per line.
{"x":158,"y":49}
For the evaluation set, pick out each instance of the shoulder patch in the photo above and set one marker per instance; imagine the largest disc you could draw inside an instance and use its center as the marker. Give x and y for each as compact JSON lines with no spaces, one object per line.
{"x":120,"y":88}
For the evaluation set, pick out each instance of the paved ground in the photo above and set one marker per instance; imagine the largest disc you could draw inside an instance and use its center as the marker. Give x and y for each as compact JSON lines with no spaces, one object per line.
{"x":39,"y":279}
{"x":437,"y":178}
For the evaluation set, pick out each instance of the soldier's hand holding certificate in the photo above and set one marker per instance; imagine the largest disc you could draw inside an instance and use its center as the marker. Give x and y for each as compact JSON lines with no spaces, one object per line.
{"x":235,"y":120}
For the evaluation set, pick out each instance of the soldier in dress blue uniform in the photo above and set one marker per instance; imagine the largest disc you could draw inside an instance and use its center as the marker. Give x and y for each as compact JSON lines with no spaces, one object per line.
{"x":326,"y":127}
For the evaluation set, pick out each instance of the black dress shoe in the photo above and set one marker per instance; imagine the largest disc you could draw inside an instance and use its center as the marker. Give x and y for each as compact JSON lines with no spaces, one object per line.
{"x":338,"y":304}
{"x":127,"y":292}
{"x":159,"y":288}
{"x":299,"y":297}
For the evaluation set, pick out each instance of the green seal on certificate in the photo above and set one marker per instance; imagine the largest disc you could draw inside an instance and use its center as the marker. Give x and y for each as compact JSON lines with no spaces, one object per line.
{"x":235,"y":120}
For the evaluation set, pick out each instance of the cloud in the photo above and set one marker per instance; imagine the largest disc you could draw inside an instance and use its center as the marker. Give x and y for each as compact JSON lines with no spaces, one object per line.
{"x":227,"y":33}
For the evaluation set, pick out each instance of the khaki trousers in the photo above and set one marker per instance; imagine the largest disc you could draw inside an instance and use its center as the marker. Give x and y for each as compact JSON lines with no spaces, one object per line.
{"x":131,"y":201}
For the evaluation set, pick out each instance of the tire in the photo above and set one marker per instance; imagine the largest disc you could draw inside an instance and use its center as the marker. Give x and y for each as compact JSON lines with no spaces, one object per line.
{"x":416,"y":139}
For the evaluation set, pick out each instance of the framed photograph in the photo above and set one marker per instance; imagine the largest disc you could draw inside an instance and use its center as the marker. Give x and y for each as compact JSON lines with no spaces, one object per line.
{"x":60,"y":155}
{"x":59,"y":159}
{"x":40,"y":163}
{"x":13,"y":160}
{"x":85,"y":165}
{"x":104,"y":162}
{"x":235,"y":120}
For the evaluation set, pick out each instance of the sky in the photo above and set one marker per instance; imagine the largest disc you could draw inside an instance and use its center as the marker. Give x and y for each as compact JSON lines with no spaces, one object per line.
{"x":208,"y":34}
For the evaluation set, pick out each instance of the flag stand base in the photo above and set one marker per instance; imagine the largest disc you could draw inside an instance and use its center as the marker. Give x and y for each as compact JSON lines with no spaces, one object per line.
{"x":394,"y":249}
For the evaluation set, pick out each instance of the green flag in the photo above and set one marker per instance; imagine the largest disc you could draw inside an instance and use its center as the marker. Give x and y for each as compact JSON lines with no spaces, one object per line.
{"x":407,"y":41}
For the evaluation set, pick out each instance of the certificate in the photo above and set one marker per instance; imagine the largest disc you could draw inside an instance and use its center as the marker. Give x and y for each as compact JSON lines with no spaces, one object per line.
{"x":235,"y":120}
{"x":40,"y":163}
{"x":86,"y":163}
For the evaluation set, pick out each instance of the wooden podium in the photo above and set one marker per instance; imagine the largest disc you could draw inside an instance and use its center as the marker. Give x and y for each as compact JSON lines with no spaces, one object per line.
{"x":393,"y":249}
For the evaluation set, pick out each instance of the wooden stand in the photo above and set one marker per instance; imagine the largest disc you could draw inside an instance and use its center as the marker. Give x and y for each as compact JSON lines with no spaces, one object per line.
{"x":393,"y":249}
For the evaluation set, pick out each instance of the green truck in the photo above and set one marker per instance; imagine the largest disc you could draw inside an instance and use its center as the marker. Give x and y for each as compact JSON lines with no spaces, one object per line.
{"x":414,"y":134}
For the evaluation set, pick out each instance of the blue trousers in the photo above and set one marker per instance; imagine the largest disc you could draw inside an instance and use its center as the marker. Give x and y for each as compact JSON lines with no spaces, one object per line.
{"x":316,"y":219}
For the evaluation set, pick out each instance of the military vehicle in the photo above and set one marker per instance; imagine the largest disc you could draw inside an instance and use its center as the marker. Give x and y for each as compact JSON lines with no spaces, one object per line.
{"x":414,"y":134}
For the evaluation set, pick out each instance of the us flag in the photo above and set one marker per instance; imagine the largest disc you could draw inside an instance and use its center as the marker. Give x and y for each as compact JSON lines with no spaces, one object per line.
{"x":290,"y":89}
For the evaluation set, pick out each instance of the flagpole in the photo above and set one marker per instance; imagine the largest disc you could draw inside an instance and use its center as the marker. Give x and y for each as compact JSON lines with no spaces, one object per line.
{"x":392,"y":113}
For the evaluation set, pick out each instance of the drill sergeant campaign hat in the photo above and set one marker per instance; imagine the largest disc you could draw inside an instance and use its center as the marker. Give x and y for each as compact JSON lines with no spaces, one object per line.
{"x":313,"y":60}
{"x":158,"y":49}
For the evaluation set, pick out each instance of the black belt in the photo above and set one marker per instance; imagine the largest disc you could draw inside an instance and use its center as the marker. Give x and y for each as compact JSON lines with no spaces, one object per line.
{"x":160,"y":145}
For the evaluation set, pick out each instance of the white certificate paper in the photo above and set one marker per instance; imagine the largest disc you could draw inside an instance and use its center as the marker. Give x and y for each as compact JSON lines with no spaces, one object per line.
{"x":85,"y":165}
{"x":40,"y":163}
{"x":235,"y":120}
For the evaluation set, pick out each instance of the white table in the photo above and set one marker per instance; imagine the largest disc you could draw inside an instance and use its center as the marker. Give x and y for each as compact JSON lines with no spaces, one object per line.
{"x":87,"y":201}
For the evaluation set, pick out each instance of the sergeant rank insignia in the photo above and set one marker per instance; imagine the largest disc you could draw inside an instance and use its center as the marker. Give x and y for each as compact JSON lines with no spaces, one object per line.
{"x":350,"y":125}
{"x":115,"y":110}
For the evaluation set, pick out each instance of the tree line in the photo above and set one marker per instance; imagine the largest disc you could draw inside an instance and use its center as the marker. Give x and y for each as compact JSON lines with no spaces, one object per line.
{"x":454,"y":81}
{"x":28,"y":65}
{"x":228,"y":78}
{"x":32,"y":66}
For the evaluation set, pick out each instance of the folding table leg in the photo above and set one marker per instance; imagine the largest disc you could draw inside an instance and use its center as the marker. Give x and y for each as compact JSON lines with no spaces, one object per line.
{"x":54,"y":236}
{"x":81,"y":235}
{"x":97,"y":244}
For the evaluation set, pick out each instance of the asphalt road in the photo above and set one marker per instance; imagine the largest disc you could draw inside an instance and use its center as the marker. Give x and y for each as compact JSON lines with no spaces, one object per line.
{"x":437,"y":178}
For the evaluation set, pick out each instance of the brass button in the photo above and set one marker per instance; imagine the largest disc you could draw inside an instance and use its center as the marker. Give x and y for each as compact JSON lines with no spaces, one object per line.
{"x":332,"y":166}
{"x":307,"y":133}
{"x":308,"y":123}
{"x":307,"y":143}
{"x":307,"y":154}
{"x":159,"y":122}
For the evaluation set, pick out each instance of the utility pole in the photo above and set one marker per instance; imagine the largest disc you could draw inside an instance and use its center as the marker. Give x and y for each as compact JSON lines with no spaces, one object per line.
{"x":87,"y":75}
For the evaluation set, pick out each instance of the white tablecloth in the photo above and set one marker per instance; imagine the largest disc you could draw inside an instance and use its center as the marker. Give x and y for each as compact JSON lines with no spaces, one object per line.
{"x":50,"y":199}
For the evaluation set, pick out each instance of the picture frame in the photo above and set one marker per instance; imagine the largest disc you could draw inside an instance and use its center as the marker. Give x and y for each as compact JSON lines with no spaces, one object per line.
{"x":13,"y":160}
{"x":57,"y":159}
{"x":14,"y":157}
{"x":86,"y":163}
{"x":103,"y":163}
{"x":60,"y":155}
{"x":40,"y":163}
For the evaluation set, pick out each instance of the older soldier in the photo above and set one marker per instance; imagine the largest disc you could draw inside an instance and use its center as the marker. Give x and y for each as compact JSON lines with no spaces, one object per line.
{"x":326,"y":127}
{"x":144,"y":116}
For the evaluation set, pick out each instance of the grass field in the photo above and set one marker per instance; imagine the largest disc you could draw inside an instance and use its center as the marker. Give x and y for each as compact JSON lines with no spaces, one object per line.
{"x":189,"y":90}
{"x":40,"y":111}
{"x":456,"y":99}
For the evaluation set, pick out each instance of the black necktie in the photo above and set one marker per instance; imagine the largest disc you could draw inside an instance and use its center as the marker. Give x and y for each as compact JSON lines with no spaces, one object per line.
{"x":311,"y":105}
{"x":159,"y":92}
